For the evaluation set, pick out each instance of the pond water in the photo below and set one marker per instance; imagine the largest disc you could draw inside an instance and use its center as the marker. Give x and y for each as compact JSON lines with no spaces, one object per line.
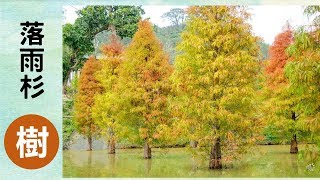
{"x":269,"y":161}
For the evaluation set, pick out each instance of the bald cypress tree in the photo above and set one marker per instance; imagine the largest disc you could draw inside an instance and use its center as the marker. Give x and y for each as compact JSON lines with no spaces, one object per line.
{"x":144,"y":83}
{"x":216,"y":73}
{"x":303,"y":74}
{"x":107,"y":104}
{"x":280,"y":104}
{"x":88,"y":87}
{"x":278,"y":57}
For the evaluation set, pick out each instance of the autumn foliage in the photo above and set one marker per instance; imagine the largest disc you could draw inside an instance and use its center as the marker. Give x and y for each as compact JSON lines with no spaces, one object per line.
{"x":87,"y":89}
{"x":278,"y":56}
{"x":215,"y":76}
{"x":107,"y":105}
{"x":291,"y":71}
{"x":114,"y":48}
{"x":213,"y":95}
{"x":144,"y":78}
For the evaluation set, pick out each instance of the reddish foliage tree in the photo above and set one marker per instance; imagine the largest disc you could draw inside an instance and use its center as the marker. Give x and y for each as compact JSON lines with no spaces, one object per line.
{"x":278,"y":56}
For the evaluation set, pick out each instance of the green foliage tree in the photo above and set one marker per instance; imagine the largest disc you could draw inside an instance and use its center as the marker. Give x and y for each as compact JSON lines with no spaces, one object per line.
{"x":78,"y":37}
{"x":88,"y":88}
{"x":145,"y":85}
{"x":216,"y":78}
{"x":125,"y":19}
{"x":69,"y":126}
{"x":303,"y":74}
{"x":68,"y":123}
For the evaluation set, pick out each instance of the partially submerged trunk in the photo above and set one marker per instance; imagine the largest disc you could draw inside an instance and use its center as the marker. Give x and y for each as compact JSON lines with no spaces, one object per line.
{"x":294,"y":145}
{"x":89,"y":143}
{"x":215,"y":155}
{"x":112,"y":142}
{"x":112,"y":163}
{"x":112,"y":146}
{"x":146,"y":151}
{"x":294,"y":142}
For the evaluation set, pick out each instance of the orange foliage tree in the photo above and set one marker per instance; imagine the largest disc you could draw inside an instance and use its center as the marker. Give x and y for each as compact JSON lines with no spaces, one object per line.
{"x":88,"y":87}
{"x":278,"y":56}
{"x":114,"y":48}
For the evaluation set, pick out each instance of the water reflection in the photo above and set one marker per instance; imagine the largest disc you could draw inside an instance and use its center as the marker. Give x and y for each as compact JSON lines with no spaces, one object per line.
{"x":294,"y":163}
{"x":148,"y":163}
{"x":274,"y":161}
{"x":112,"y":163}
{"x":89,"y":162}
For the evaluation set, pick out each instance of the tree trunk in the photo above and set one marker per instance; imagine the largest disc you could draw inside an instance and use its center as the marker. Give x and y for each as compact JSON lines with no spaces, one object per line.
{"x":147,"y":151}
{"x":112,"y":146}
{"x":89,"y":143}
{"x":215,"y":155}
{"x":294,"y":145}
{"x":64,"y":87}
{"x":112,"y":142}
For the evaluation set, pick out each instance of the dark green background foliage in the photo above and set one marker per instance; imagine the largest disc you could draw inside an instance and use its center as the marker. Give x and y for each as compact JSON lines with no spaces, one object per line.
{"x":78,"y":37}
{"x":68,"y":125}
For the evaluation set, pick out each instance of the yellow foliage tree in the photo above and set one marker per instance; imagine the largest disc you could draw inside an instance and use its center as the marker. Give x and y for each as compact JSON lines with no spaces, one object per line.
{"x":144,"y":84}
{"x":216,"y":80}
{"x":107,"y":105}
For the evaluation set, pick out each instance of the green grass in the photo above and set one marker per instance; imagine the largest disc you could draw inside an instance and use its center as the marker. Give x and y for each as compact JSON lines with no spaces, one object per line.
{"x":268,"y":161}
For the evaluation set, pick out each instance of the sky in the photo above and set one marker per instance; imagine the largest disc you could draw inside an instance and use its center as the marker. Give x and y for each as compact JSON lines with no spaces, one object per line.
{"x":267,"y":20}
